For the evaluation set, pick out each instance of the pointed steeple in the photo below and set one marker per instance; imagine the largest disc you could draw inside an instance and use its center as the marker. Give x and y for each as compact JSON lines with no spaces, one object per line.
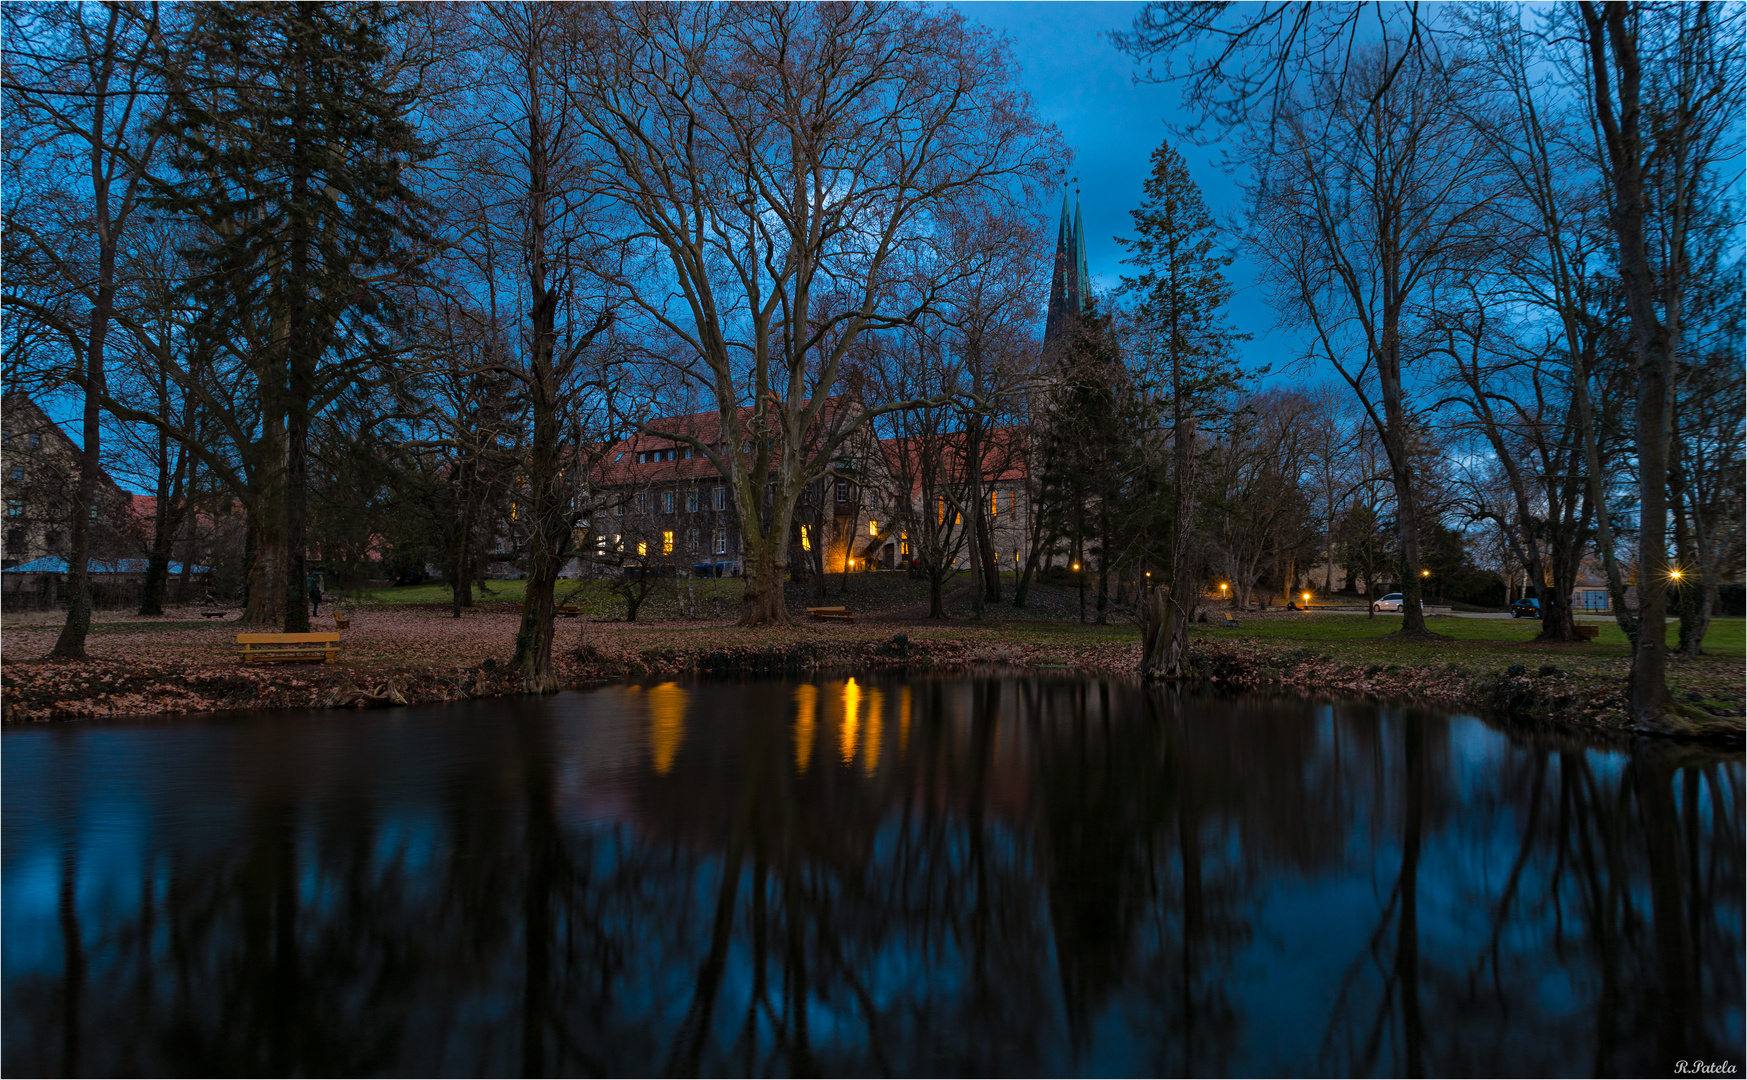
{"x":1082,"y":283}
{"x":1070,"y":288}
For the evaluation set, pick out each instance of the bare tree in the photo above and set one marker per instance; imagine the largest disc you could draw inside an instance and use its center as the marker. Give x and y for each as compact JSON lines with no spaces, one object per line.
{"x":83,"y":98}
{"x":1373,"y":194}
{"x":531,"y":255}
{"x":776,"y":166}
{"x":1666,"y":89}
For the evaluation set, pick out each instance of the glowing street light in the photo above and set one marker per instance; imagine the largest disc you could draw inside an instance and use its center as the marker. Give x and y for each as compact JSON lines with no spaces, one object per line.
{"x":1425,"y":573}
{"x":1675,"y":573}
{"x":1307,"y":599}
{"x":1076,"y":568}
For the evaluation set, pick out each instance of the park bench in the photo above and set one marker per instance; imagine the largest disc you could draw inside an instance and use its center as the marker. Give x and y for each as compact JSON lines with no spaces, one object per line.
{"x":831,"y":614}
{"x":1230,"y":619}
{"x":256,"y":648}
{"x":1587,"y":632}
{"x":341,"y":621}
{"x":213,"y":614}
{"x":568,"y":611}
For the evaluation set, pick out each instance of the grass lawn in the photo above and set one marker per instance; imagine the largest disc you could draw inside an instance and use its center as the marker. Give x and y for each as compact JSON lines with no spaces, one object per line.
{"x":1487,"y":645}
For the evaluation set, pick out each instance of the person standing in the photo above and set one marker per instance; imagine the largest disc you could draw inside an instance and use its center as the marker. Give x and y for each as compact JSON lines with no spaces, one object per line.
{"x":314,"y":597}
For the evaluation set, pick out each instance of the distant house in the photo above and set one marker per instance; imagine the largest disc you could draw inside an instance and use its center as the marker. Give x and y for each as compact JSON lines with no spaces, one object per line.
{"x":1005,"y":494}
{"x":664,"y":503}
{"x":39,"y":478}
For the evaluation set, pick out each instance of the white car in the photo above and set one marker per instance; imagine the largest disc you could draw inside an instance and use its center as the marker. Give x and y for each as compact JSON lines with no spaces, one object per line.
{"x":1391,"y":602}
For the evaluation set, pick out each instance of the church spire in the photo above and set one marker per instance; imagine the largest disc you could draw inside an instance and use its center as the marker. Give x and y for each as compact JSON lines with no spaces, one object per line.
{"x":1070,"y":289}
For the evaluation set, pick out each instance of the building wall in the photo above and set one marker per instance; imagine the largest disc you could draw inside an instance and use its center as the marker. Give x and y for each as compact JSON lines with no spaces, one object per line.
{"x":39,"y":478}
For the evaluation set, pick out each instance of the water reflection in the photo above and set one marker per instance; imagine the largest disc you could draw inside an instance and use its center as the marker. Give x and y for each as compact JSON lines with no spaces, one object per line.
{"x":969,"y":876}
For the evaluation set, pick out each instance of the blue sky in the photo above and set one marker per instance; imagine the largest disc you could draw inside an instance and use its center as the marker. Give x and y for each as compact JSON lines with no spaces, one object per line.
{"x":1085,"y":87}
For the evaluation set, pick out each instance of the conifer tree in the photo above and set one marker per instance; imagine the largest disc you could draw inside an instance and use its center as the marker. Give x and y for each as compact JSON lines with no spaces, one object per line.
{"x":1184,"y":348}
{"x":293,"y":145}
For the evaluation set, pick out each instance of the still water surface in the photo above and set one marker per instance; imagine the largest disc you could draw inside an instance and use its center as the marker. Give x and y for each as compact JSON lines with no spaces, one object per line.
{"x":871,"y":876}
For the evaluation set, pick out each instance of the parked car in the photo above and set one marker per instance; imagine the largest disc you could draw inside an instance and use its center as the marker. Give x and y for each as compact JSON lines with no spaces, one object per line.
{"x":1390,"y":602}
{"x":1526,"y":608}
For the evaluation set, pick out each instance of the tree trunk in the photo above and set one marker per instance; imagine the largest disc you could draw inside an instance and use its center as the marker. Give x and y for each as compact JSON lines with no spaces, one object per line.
{"x":1413,"y":620}
{"x":70,"y":644}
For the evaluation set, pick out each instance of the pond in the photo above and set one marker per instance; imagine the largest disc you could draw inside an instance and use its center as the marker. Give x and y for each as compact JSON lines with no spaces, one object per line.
{"x":881,"y":875}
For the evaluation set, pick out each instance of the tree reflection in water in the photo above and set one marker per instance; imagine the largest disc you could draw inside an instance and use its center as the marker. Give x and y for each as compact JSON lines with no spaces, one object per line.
{"x":934,"y":876}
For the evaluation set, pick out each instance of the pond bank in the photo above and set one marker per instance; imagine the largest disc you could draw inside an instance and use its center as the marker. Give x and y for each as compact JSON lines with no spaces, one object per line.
{"x":1537,"y":694}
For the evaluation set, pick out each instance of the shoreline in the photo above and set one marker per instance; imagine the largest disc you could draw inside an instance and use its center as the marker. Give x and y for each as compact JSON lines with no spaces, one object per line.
{"x":1542,"y":697}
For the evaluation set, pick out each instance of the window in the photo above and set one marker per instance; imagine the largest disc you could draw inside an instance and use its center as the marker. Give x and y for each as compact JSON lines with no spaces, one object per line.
{"x":14,"y":508}
{"x":667,"y":502}
{"x":35,"y":440}
{"x":691,"y":541}
{"x":642,"y":548}
{"x":618,"y":509}
{"x":53,"y":540}
{"x":842,"y":491}
{"x":691,"y":502}
{"x":17,"y":472}
{"x":994,"y":503}
{"x":642,"y":502}
{"x":6,"y":437}
{"x":14,"y":538}
{"x":618,"y":542}
{"x":903,"y":547}
{"x":873,"y":528}
{"x":642,"y":457}
{"x":667,"y":542}
{"x":806,"y":539}
{"x":721,"y":541}
{"x":721,"y":496}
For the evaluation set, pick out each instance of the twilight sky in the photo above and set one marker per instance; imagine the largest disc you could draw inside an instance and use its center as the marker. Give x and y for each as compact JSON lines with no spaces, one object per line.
{"x":1086,"y":88}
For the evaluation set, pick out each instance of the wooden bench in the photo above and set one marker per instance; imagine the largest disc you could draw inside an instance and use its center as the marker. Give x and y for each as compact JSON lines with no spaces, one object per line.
{"x":1587,"y":632}
{"x":831,"y":614}
{"x":257,"y":648}
{"x":1230,"y":619}
{"x":341,"y":621}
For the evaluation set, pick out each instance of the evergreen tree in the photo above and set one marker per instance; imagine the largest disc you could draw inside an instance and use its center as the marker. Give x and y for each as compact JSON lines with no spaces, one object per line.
{"x":292,"y":143}
{"x":1184,"y":347}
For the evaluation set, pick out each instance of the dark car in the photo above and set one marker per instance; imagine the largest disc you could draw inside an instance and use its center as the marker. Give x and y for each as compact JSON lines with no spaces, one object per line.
{"x":1526,"y":608}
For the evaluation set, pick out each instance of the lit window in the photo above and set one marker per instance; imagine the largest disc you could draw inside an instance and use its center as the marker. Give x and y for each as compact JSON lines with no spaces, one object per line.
{"x":721,"y":541}
{"x":903,"y":547}
{"x":667,"y":542}
{"x":642,"y":548}
{"x":873,"y":528}
{"x":806,"y":539}
{"x":994,"y":503}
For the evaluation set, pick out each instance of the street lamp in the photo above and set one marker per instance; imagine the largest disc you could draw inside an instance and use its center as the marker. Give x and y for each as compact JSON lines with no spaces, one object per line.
{"x":1307,"y":600}
{"x":1076,"y":568}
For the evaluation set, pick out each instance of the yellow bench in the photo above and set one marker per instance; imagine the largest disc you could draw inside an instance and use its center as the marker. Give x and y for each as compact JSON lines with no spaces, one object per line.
{"x":256,"y":648}
{"x":831,"y":614}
